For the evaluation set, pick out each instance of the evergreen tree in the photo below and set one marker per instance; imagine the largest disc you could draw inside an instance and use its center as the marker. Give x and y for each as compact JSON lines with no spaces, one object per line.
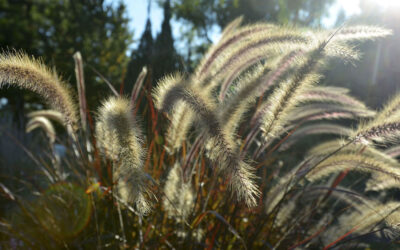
{"x":159,"y":56}
{"x":142,"y":56}
{"x":166,"y":59}
{"x":205,"y":15}
{"x":55,"y":30}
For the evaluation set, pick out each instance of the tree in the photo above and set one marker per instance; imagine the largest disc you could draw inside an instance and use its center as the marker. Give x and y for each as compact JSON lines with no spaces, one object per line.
{"x":142,"y":56}
{"x":159,"y":56}
{"x":203,"y":15}
{"x":166,"y":59}
{"x":55,"y":30}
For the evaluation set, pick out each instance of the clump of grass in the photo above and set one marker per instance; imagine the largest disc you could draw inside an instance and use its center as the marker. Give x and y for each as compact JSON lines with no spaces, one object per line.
{"x":224,"y":160}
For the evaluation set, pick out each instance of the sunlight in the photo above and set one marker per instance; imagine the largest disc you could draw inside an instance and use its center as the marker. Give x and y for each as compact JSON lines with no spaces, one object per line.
{"x":351,"y":7}
{"x":387,"y":3}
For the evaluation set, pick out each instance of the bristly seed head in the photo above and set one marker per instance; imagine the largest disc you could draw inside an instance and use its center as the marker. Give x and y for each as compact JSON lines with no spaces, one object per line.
{"x":120,"y":139}
{"x":17,"y":69}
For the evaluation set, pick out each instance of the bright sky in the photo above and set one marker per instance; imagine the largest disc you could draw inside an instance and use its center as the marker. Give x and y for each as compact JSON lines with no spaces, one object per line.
{"x":137,"y":11}
{"x":350,"y":7}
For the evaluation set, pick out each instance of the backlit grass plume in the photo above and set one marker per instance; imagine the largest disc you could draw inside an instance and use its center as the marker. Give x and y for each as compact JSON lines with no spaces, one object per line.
{"x":342,"y":162}
{"x":120,"y":138}
{"x":19,"y":70}
{"x":384,"y":127}
{"x":179,"y":195}
{"x":45,"y":124}
{"x":52,"y":115}
{"x":361,"y":221}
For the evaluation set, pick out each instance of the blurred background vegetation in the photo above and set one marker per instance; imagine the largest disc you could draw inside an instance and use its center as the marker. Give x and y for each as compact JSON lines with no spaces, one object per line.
{"x":101,"y":31}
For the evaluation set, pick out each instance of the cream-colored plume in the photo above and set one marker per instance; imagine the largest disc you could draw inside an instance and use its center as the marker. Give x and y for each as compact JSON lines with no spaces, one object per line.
{"x":179,"y":200}
{"x":18,"y":69}
{"x":119,"y":137}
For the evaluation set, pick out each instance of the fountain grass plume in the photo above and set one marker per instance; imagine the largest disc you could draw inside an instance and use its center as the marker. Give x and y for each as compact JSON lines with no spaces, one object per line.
{"x":120,"y":139}
{"x":363,"y":219}
{"x":315,"y":129}
{"x":22,"y":71}
{"x":231,"y":36}
{"x":361,"y":32}
{"x":319,"y":111}
{"x":385,"y":127}
{"x":268,"y":44}
{"x":353,"y":162}
{"x":354,"y":148}
{"x":330,"y":95}
{"x":49,"y":114}
{"x":179,"y":200}
{"x":45,"y":124}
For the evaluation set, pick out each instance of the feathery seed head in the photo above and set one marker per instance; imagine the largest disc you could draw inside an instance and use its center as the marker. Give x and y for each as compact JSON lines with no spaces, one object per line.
{"x":45,"y":124}
{"x":361,"y":32}
{"x":163,"y":93}
{"x":361,"y":163}
{"x":385,"y":127}
{"x":179,"y":200}
{"x":182,"y":118}
{"x":119,"y":137}
{"x":17,"y":69}
{"x":50,"y":114}
{"x":364,"y":218}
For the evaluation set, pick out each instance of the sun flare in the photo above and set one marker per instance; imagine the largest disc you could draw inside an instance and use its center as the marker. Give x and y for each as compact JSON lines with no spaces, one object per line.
{"x":387,"y":3}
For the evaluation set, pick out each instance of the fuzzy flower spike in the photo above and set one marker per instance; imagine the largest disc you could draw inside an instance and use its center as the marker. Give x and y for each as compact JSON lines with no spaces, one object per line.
{"x":18,"y":69}
{"x":120,"y":139}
